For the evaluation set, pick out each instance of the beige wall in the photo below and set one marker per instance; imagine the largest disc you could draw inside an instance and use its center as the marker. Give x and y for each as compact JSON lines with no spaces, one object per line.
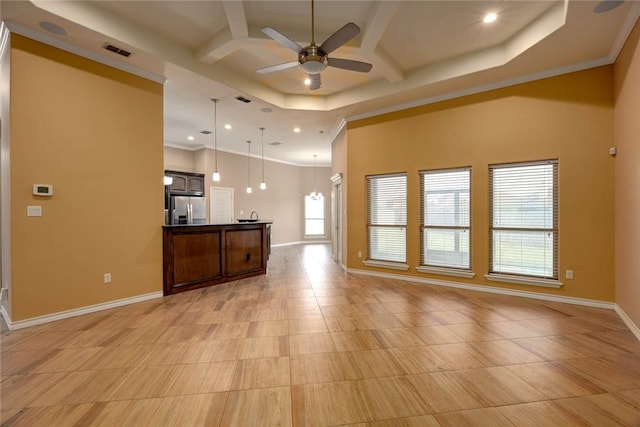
{"x":569,"y":117}
{"x":627,"y":196}
{"x":282,"y":201}
{"x":179,"y":160}
{"x":95,"y":133}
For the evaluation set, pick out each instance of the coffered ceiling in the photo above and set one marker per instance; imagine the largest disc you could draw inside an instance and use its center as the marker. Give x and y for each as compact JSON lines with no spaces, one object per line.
{"x":421,"y":51}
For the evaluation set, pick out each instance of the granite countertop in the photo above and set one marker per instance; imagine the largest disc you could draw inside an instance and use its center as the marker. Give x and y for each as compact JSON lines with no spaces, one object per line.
{"x":261,"y":221}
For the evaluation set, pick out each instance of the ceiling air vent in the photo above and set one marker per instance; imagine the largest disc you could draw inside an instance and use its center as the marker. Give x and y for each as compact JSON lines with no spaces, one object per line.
{"x":275,"y":143}
{"x":116,"y":49}
{"x":205,"y":132}
{"x":243,"y":99}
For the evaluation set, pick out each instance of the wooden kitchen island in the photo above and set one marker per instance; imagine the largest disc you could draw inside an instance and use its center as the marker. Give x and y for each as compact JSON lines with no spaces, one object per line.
{"x":196,"y":256}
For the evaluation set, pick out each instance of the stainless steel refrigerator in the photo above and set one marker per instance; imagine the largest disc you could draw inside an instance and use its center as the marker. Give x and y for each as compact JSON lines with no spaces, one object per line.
{"x":187,"y":210}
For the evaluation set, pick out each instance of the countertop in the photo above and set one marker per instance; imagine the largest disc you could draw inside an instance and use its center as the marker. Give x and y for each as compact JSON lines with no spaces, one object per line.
{"x":261,"y":221}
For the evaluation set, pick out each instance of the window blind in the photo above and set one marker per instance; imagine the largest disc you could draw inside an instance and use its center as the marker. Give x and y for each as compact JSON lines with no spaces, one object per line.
{"x":446,"y":218}
{"x":524,"y":219}
{"x":387,"y":217}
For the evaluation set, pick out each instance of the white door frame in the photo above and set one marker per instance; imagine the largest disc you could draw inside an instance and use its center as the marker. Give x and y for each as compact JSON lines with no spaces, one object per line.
{"x":336,"y":218}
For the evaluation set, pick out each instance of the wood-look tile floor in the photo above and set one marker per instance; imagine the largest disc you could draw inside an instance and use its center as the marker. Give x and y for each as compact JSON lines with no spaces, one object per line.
{"x":307,"y":345}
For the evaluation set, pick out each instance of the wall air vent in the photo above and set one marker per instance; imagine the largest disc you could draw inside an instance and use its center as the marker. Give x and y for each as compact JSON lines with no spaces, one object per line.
{"x":116,"y":49}
{"x":243,"y":99}
{"x":205,"y":132}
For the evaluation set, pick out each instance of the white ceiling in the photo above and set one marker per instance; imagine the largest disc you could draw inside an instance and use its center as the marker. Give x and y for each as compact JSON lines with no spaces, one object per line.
{"x":421,"y":51}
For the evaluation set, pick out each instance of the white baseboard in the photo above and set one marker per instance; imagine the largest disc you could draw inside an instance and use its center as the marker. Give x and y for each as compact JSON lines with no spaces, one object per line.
{"x":627,"y":320}
{"x":75,"y":312}
{"x":490,"y":289}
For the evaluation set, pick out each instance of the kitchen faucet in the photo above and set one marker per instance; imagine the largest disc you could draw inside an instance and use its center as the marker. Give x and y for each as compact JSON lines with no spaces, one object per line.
{"x":254,"y":212}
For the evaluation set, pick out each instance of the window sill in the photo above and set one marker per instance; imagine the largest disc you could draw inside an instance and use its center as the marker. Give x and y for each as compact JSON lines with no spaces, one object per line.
{"x":386,"y":264}
{"x":507,"y":278}
{"x":446,"y":271}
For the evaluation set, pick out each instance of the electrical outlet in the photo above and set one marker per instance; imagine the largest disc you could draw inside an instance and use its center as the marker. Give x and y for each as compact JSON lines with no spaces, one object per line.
{"x":568,"y":274}
{"x":107,"y":278}
{"x":359,"y":254}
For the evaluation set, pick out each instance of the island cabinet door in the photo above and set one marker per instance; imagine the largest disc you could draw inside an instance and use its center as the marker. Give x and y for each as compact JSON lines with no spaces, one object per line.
{"x":243,"y":251}
{"x":196,"y":257}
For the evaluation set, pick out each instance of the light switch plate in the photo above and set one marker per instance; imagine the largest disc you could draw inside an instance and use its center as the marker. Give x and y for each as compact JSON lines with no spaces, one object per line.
{"x":34,"y":210}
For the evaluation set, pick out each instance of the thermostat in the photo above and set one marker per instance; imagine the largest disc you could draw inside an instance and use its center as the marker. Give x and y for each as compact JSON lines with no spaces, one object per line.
{"x":42,"y":190}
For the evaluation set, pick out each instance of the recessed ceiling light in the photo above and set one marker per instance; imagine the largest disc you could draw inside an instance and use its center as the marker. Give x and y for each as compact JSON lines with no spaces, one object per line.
{"x":53,"y":28}
{"x":490,"y":17}
{"x":296,"y":130}
{"x":307,"y":81}
{"x":607,"y":5}
{"x":227,"y":126}
{"x":190,"y":138}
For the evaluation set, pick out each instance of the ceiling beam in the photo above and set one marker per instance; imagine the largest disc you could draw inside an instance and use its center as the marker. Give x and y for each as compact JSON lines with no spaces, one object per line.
{"x":236,"y":18}
{"x":230,"y":40}
{"x":384,"y":65}
{"x":377,"y":23}
{"x":376,"y":26}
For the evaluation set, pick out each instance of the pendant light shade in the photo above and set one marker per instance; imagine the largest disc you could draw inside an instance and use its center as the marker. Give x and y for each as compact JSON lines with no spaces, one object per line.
{"x":249,"y":189}
{"x":263,"y":184}
{"x":216,"y":174}
{"x":314,"y":194}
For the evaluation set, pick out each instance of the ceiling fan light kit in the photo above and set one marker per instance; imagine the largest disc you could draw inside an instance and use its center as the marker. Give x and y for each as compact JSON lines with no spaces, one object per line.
{"x":313,"y":59}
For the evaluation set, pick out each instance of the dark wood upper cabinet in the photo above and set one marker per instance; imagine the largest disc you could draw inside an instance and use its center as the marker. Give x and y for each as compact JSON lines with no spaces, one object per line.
{"x":186,"y":183}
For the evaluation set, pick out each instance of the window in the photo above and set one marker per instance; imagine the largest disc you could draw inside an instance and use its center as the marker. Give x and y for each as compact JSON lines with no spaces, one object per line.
{"x":387,"y":218}
{"x":524,"y":219}
{"x":445,"y":218}
{"x":314,"y":215}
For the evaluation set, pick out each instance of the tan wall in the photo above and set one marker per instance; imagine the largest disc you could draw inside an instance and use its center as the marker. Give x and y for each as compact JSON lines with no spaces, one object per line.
{"x":282,"y":201}
{"x":95,"y":133}
{"x":627,"y":196}
{"x":569,"y":117}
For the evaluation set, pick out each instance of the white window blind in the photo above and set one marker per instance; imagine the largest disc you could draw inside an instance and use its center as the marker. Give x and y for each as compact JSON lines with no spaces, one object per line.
{"x":314,"y":215}
{"x":387,"y":217}
{"x":446,"y":218}
{"x":524,"y":219}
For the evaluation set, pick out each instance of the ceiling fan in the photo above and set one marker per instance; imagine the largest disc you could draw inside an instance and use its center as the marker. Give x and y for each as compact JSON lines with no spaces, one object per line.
{"x":313,"y":59}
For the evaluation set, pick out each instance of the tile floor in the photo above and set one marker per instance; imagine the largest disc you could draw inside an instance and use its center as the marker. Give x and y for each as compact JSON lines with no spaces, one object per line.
{"x":307,"y":345}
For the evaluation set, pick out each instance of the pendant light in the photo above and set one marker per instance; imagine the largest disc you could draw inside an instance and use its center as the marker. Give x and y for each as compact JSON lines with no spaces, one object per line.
{"x":263,"y":184}
{"x":216,"y":174}
{"x":314,"y":194}
{"x":249,"y":189}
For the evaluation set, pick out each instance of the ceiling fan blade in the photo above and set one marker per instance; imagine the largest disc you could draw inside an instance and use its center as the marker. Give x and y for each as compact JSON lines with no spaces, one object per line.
{"x":340,"y":37}
{"x":348,"y":64}
{"x":282,"y":39}
{"x":315,"y":81}
{"x":277,"y":67}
